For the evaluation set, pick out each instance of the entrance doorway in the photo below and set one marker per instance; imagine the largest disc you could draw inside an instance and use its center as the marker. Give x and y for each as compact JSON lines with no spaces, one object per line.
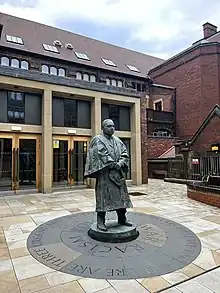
{"x":69,"y":158}
{"x":19,"y":161}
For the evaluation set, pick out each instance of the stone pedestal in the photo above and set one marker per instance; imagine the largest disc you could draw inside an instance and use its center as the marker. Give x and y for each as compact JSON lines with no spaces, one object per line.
{"x":115,"y":233}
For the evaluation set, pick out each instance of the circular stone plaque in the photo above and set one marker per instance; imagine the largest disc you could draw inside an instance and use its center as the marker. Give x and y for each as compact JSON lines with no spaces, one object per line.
{"x":163,"y":246}
{"x":115,"y":233}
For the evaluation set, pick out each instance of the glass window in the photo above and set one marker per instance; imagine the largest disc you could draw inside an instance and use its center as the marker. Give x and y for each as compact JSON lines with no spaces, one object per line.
{"x":16,"y":107}
{"x":132,"y":68}
{"x":82,"y":56}
{"x":62,"y":72}
{"x":120,"y":84}
{"x":108,"y":81}
{"x":92,"y":78}
{"x":15,"y":63}
{"x":158,"y":106}
{"x":19,"y":97}
{"x":53,"y":70}
{"x":50,"y":48}
{"x":5,"y":61}
{"x":45,"y":69}
{"x":70,"y":113}
{"x":24,"y":65}
{"x":13,"y":39}
{"x":114,"y":115}
{"x":108,"y":62}
{"x":86,"y":77}
{"x":114,"y":82}
{"x":78,"y":75}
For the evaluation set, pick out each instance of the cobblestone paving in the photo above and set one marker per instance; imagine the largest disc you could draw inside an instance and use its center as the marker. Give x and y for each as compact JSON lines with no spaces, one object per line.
{"x":20,"y":214}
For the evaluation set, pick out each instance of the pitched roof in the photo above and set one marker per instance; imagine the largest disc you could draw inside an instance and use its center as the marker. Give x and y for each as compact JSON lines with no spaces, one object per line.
{"x":35,"y":34}
{"x":214,"y":112}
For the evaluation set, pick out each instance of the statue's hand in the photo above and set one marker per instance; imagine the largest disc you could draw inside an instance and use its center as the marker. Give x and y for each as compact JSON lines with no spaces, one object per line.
{"x":112,"y":166}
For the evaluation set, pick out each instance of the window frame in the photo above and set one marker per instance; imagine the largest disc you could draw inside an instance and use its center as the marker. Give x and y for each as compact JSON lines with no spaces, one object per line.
{"x":53,"y":68}
{"x":17,"y":61}
{"x":82,"y":56}
{"x":63,"y":70}
{"x":109,"y":62}
{"x":6,"y":59}
{"x":158,"y":101}
{"x":26,"y":62}
{"x":48,"y":69}
{"x":14,"y":39}
{"x":50,"y":48}
{"x":132,"y":68}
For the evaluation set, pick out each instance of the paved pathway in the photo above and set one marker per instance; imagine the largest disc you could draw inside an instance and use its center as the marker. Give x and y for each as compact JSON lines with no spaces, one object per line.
{"x":19,"y":215}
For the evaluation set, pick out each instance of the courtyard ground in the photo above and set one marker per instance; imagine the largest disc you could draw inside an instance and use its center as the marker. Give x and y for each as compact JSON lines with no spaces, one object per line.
{"x":20,"y":214}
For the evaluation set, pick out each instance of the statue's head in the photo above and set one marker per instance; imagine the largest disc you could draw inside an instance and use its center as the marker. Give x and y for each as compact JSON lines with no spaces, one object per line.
{"x":108,"y":127}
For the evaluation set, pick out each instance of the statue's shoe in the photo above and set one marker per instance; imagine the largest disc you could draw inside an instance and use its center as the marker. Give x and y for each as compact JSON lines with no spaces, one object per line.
{"x":101,"y":227}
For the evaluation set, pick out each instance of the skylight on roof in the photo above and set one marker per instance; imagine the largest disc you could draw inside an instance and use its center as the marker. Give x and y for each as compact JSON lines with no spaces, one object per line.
{"x":108,"y":62}
{"x":50,"y":48}
{"x":13,"y":39}
{"x":82,"y":56}
{"x":132,"y":68}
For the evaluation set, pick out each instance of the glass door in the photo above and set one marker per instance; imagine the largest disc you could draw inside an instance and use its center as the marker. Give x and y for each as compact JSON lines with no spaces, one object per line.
{"x":69,"y":157}
{"x":60,"y":160}
{"x":19,"y":161}
{"x":6,"y":162}
{"x":28,"y":162}
{"x":79,"y":152}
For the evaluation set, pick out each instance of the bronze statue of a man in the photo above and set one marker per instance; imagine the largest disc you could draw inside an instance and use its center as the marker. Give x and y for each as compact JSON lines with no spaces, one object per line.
{"x":107,"y":161}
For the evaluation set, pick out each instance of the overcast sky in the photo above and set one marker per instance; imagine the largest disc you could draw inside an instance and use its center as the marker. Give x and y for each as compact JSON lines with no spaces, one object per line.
{"x":160,"y":28}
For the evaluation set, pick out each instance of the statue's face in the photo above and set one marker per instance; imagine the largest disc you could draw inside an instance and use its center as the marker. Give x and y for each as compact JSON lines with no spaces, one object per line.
{"x":109,"y":128}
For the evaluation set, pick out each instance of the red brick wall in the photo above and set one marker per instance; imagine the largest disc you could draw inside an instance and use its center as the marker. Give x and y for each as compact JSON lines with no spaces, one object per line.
{"x":144,"y":140}
{"x":196,"y":79}
{"x":208,"y":198}
{"x":157,"y":146}
{"x":164,"y":94}
{"x":209,"y":135}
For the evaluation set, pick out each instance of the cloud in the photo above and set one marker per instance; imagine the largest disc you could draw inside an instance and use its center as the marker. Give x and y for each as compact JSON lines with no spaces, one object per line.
{"x":159,"y":27}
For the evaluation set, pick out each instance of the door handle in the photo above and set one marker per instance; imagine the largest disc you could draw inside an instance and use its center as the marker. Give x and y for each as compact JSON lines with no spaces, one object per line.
{"x":70,"y":169}
{"x":13,"y":165}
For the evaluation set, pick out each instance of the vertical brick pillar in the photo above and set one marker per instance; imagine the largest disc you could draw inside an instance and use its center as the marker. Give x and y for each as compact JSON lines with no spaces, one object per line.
{"x":144,"y":139}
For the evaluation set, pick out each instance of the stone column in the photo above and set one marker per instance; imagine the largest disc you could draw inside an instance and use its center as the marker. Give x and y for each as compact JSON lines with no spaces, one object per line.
{"x":136,"y":174}
{"x":47,"y":146}
{"x":96,"y":116}
{"x":96,"y":125}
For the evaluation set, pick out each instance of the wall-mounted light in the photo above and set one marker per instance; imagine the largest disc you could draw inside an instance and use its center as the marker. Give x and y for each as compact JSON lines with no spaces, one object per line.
{"x":16,"y":128}
{"x":71,"y":131}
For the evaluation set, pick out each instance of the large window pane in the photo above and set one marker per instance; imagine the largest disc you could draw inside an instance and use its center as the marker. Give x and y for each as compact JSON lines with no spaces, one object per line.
{"x":70,"y":113}
{"x":16,"y":107}
{"x":33,"y":109}
{"x":58,"y":112}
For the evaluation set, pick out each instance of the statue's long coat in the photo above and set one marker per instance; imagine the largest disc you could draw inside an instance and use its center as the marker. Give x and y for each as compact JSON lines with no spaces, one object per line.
{"x":111,"y":190}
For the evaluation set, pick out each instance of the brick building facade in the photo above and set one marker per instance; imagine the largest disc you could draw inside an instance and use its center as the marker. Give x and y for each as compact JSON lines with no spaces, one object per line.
{"x":196,"y":77}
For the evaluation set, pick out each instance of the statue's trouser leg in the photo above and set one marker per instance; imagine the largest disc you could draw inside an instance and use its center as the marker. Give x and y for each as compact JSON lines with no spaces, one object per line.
{"x":101,"y":221}
{"x":122,"y":220}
